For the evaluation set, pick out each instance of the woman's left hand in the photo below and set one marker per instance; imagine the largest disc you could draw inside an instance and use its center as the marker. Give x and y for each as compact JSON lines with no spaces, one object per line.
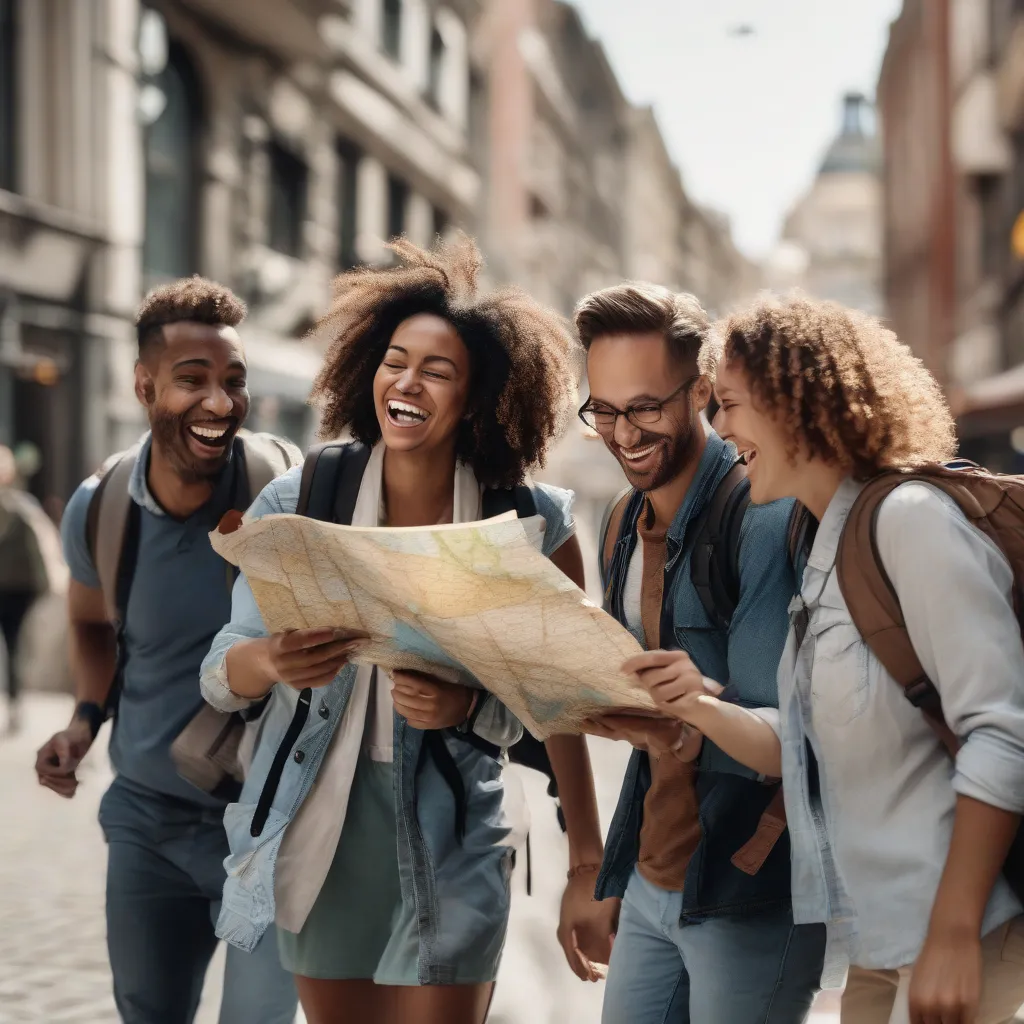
{"x":945,"y":986}
{"x":427,"y":702}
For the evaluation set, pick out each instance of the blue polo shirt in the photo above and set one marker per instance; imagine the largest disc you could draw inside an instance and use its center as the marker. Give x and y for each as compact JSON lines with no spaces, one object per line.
{"x":179,"y":600}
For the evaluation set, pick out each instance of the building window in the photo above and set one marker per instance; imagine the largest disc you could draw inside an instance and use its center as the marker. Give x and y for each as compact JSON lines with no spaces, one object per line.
{"x":8,"y":91}
{"x":288,"y":182}
{"x":440,"y":223}
{"x":348,"y":204}
{"x":391,"y":28}
{"x":171,"y":157}
{"x":994,"y":241}
{"x":398,"y":198}
{"x":435,"y":69}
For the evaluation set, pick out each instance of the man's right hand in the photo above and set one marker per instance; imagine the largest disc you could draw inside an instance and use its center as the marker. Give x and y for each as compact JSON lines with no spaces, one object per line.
{"x":308,"y":657}
{"x":656,"y":735}
{"x":58,"y":758}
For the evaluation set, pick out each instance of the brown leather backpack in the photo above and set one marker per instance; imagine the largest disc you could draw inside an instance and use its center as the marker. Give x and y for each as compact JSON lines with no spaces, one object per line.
{"x":992,"y":503}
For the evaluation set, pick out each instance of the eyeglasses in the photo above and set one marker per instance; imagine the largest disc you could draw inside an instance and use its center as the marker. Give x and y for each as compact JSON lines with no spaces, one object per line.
{"x":603,"y":418}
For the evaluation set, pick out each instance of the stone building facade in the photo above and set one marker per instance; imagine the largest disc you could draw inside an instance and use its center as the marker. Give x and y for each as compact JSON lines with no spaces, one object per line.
{"x":265,"y":145}
{"x":580,"y":193}
{"x":952,"y":100}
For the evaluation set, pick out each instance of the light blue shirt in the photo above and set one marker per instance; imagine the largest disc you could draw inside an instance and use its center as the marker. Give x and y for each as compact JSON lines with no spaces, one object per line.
{"x":869,"y":853}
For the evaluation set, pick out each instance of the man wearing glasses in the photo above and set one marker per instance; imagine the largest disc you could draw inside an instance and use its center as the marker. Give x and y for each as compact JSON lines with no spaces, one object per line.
{"x":697,"y":850}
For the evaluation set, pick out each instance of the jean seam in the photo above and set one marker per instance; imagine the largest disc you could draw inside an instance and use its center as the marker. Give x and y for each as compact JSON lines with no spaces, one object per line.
{"x":778,"y":980}
{"x":672,"y":995}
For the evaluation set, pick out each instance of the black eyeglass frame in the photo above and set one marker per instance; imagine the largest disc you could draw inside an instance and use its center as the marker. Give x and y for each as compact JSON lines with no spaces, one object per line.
{"x":630,"y":411}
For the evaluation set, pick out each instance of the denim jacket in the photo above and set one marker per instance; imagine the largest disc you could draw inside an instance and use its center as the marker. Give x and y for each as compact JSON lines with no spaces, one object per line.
{"x":455,"y":895}
{"x":746,"y":658}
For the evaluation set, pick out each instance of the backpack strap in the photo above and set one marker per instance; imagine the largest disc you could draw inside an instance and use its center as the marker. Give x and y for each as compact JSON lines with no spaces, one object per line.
{"x":499,"y":500}
{"x":107,"y":526}
{"x":331,"y":475}
{"x":715,"y":562}
{"x":611,"y":527}
{"x":875,"y":607}
{"x":266,"y":457}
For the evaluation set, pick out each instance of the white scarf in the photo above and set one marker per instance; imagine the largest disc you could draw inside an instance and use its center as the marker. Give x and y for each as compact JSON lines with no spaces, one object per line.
{"x":311,"y":839}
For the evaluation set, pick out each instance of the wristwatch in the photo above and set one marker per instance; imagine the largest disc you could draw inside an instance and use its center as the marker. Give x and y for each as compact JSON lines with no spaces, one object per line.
{"x":89,"y":711}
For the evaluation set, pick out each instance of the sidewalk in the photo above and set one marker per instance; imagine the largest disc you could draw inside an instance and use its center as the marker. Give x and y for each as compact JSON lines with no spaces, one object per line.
{"x":53,"y":966}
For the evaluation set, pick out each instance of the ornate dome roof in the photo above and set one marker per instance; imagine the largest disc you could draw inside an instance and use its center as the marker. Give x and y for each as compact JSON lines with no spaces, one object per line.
{"x":853,"y":150}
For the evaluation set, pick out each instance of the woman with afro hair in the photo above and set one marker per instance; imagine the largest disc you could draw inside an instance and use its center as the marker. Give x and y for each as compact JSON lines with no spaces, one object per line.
{"x":389,"y":888}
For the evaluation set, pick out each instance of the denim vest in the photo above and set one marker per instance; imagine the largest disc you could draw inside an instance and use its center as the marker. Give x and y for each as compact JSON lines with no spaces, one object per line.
{"x":745,"y":657}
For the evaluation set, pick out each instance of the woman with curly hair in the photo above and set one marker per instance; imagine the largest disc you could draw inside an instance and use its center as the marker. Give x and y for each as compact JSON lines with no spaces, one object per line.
{"x":896,"y":847}
{"x":392,"y":904}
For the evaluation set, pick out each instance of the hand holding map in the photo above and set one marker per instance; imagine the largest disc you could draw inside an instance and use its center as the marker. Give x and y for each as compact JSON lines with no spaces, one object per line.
{"x":475,"y":603}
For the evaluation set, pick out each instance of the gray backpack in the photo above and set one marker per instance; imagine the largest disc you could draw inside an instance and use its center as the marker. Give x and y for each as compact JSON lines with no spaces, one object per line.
{"x":209,"y":751}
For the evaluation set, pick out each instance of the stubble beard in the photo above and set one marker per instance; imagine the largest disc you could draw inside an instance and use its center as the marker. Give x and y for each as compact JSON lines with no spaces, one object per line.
{"x":169,"y":433}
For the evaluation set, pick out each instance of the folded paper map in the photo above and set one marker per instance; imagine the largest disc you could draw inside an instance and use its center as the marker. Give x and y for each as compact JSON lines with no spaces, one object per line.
{"x":475,"y":603}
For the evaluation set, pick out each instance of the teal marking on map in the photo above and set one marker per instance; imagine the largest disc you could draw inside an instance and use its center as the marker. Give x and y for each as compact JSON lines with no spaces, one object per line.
{"x":412,"y":641}
{"x":546,"y":710}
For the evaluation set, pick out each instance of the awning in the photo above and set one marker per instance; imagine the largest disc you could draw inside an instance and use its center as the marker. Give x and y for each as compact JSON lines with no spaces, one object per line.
{"x":990,"y":406}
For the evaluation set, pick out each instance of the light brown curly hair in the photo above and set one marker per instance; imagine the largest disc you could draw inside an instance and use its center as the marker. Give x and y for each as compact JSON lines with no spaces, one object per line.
{"x":846,"y":388}
{"x":524,"y":362}
{"x":190,"y":298}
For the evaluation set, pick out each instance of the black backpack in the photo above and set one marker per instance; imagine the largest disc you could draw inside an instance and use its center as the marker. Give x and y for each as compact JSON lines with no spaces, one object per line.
{"x":331,"y":476}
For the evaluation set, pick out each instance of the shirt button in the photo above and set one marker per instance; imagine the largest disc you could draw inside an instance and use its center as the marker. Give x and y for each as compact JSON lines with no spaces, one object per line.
{"x":324,"y":711}
{"x":300,"y":756}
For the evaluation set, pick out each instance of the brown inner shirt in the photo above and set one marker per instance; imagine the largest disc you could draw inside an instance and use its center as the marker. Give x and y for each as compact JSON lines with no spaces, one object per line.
{"x":671,"y":824}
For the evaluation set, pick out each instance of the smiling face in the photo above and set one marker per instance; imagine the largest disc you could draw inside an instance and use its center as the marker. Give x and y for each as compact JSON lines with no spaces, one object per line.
{"x":758,"y":435}
{"x":194,"y":389}
{"x":421,"y":388}
{"x":639,"y":371}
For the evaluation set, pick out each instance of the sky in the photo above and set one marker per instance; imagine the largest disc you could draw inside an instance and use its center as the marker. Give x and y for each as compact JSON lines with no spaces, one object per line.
{"x":746,"y":118}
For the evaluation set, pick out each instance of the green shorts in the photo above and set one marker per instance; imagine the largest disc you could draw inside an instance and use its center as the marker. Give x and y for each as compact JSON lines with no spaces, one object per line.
{"x":352,"y":920}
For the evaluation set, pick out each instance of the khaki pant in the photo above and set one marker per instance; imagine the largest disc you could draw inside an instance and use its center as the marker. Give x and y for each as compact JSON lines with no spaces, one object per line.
{"x":880,"y":997}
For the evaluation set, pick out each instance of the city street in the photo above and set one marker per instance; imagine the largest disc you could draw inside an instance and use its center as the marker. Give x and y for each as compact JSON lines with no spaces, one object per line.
{"x":53,"y":967}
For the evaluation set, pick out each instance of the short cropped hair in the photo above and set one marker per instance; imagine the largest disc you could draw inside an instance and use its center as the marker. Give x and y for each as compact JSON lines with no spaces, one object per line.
{"x":638,"y":307}
{"x":525,"y":363}
{"x":846,"y":388}
{"x":190,"y":298}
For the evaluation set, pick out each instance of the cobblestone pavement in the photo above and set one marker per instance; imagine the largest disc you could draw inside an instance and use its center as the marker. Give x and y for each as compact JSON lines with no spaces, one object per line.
{"x":53,"y":967}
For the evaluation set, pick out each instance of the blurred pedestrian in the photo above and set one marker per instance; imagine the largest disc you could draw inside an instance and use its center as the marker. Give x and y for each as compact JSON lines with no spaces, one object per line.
{"x":148,"y":593}
{"x":28,"y":546}
{"x":375,"y":830}
{"x":696,"y":849}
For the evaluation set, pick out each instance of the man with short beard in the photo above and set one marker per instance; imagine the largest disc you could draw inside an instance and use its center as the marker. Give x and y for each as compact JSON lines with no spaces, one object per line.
{"x":705,"y":932}
{"x":165,"y":836}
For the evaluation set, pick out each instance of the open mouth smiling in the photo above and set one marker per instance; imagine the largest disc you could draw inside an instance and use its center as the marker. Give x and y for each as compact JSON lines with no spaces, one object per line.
{"x":636,"y":454}
{"x":405,"y":414}
{"x":210,"y":433}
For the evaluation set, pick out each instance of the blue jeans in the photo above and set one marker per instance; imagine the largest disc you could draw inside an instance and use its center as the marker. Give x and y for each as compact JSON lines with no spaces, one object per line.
{"x":760,"y":969}
{"x":165,"y":874}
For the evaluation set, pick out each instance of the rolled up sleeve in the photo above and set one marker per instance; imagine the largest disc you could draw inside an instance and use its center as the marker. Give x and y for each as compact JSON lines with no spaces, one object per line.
{"x":955,"y":590}
{"x":280,"y":496}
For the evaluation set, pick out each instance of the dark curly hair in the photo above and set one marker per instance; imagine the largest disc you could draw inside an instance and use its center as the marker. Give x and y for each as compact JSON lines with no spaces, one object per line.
{"x":524,"y":362}
{"x":844,"y":385}
{"x":191,"y":298}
